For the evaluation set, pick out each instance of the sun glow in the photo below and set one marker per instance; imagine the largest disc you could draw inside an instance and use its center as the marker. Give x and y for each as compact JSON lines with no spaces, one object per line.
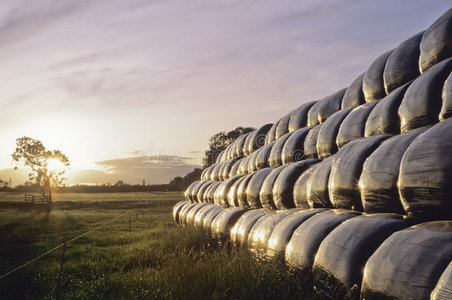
{"x":54,"y":165}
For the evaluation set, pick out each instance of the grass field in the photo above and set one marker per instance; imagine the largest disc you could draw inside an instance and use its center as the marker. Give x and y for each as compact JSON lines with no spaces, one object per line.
{"x":141,"y":255}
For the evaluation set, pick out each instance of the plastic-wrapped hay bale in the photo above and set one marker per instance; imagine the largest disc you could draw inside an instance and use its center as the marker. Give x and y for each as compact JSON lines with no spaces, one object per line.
{"x":409,"y":263}
{"x":284,"y":183}
{"x":210,"y":216}
{"x":190,"y":220}
{"x":292,"y":150}
{"x":266,"y":192}
{"x":233,"y":198}
{"x":226,"y":189}
{"x":275,"y":158}
{"x":203,"y":174}
{"x":352,"y":127}
{"x":184,"y":212}
{"x":402,"y":65}
{"x":222,"y":224}
{"x":313,"y":113}
{"x":241,"y":191}
{"x":283,"y":126}
{"x":263,"y":156}
{"x":384,"y":118}
{"x":239,"y":143}
{"x":254,"y":187}
{"x":223,"y":166}
{"x":210,"y":192}
{"x":241,"y":229}
{"x":443,"y":289}
{"x":299,"y":189}
{"x":252,"y":161}
{"x":422,"y":102}
{"x":194,"y":190}
{"x":219,"y":191}
{"x":199,"y":217}
{"x":330,"y":105}
{"x":176,"y":210}
{"x":339,"y":262}
{"x":229,"y":152}
{"x":310,"y":142}
{"x":346,"y":170}
{"x":435,"y":44}
{"x":373,"y":84}
{"x":209,"y":172}
{"x":261,"y":231}
{"x":283,"y":231}
{"x":246,"y":145}
{"x":446,"y":108}
{"x":326,"y":139}
{"x":378,"y":181}
{"x":187,"y":193}
{"x":201,"y":191}
{"x":215,"y":174}
{"x":354,"y":95}
{"x":243,"y":167}
{"x":259,"y":137}
{"x":317,"y":184}
{"x":220,"y":157}
{"x":306,"y":239}
{"x":271,"y":134}
{"x":235,"y":168}
{"x":228,"y":166}
{"x":425,"y":181}
{"x":299,"y":117}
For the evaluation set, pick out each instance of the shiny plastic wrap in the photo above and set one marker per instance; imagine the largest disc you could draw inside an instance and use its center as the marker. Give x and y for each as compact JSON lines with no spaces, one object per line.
{"x":229,"y":153}
{"x":218,"y":194}
{"x":210,"y":192}
{"x":402,"y":65}
{"x":266,"y":192}
{"x":317,"y":184}
{"x":203,"y":174}
{"x":283,"y":126}
{"x":373,"y":84}
{"x":187,"y":193}
{"x":201,"y":191}
{"x":241,"y":191}
{"x":330,"y":105}
{"x":241,"y":229}
{"x":422,"y":102}
{"x":384,"y":118}
{"x":190,"y":219}
{"x":243,"y":167}
{"x":446,"y":108}
{"x":275,"y":158}
{"x":176,"y":210}
{"x":310,"y":142}
{"x":222,"y":169}
{"x":263,"y":156}
{"x":194,"y":190}
{"x":346,"y":170}
{"x":251,"y":162}
{"x":259,"y":137}
{"x":280,"y":236}
{"x":271,"y":134}
{"x":246,"y":145}
{"x":209,"y":171}
{"x":352,"y":127}
{"x":225,"y":172}
{"x":339,"y":262}
{"x":184,"y":212}
{"x":284,"y":183}
{"x":306,"y":239}
{"x":326,"y":139}
{"x":220,"y":157}
{"x":254,"y":187}
{"x":233,"y":199}
{"x":215,"y":174}
{"x":313,"y":113}
{"x":222,"y":224}
{"x":299,"y":117}
{"x":262,"y":229}
{"x":354,"y":95}
{"x":239,"y":143}
{"x":292,"y":150}
{"x":299,"y":189}
{"x":435,"y":44}
{"x":210,"y":216}
{"x":199,"y":217}
{"x":378,"y":181}
{"x":225,"y":189}
{"x":235,"y":168}
{"x":425,"y":181}
{"x":409,"y":263}
{"x":443,"y":289}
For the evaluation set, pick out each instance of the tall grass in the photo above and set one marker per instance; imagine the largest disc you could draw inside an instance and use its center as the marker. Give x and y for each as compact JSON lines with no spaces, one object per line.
{"x":143,"y":255}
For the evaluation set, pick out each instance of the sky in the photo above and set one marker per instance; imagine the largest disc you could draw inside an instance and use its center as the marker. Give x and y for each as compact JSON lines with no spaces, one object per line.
{"x":132,"y":90}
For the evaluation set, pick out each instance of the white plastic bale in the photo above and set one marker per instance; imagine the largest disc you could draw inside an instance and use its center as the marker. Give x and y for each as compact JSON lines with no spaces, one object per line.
{"x":199,"y":217}
{"x":263,"y":156}
{"x":275,"y":158}
{"x":202,"y":190}
{"x":184,"y":212}
{"x":313,"y":113}
{"x":241,"y":229}
{"x":299,"y":116}
{"x":292,"y":150}
{"x":339,"y":262}
{"x":373,"y":84}
{"x":317,"y":185}
{"x":254,"y":186}
{"x":354,"y":95}
{"x":222,"y":224}
{"x":259,"y":138}
{"x":299,"y":189}
{"x":330,"y":105}
{"x":283,"y":126}
{"x":266,"y":192}
{"x":190,"y":219}
{"x":176,"y":210}
{"x":210,"y":216}
{"x":412,"y":259}
{"x":283,"y":231}
{"x":232,"y":195}
{"x":310,"y":142}
{"x":241,"y":191}
{"x":307,"y":237}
